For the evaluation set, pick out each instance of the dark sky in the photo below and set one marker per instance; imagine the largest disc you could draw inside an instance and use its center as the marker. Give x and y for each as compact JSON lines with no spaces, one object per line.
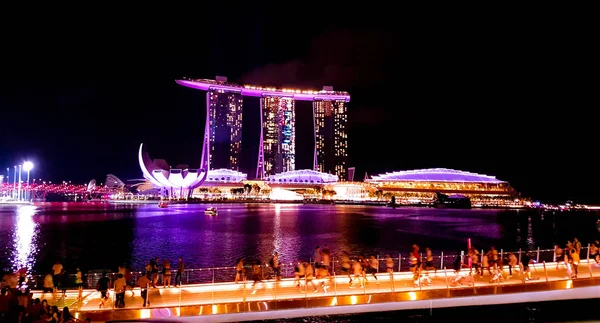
{"x":507,"y":96}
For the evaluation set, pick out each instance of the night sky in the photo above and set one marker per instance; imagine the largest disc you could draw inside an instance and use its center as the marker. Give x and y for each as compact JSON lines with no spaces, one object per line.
{"x":512,"y":97}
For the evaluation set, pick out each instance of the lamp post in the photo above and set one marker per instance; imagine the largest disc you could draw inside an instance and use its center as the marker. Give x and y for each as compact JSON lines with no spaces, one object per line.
{"x":14,"y":192}
{"x":7,"y":178}
{"x":20,"y":171}
{"x":28,"y":166}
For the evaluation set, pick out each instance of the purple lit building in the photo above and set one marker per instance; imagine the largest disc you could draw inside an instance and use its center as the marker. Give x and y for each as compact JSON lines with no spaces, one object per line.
{"x":422,"y":185}
{"x":331,"y":137}
{"x":277,"y":152}
{"x":225,"y":132}
{"x":277,"y":147}
{"x":173,"y":182}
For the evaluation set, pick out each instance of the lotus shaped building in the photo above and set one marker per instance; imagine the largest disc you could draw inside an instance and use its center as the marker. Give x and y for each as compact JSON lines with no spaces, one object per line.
{"x":178,"y":182}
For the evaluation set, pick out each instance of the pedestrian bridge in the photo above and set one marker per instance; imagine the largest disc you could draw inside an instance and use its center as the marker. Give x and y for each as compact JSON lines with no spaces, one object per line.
{"x":234,"y":302}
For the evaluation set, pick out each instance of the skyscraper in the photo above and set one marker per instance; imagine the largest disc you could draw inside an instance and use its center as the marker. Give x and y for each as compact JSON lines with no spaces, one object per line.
{"x":225,"y":109}
{"x":277,"y":147}
{"x":331,"y":138}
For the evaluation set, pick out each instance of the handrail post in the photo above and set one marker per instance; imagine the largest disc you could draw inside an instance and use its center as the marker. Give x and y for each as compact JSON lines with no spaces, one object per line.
{"x":419,"y":279}
{"x":334,"y":278}
{"x":244,"y":289}
{"x":447,"y":286}
{"x":588,"y":254}
{"x":306,"y":287}
{"x":399,"y":262}
{"x":332,"y":265}
{"x":538,"y":256}
{"x":392,"y":280}
{"x":519,"y":255}
{"x":442,"y":260}
{"x":213,"y":283}
{"x":546,"y":272}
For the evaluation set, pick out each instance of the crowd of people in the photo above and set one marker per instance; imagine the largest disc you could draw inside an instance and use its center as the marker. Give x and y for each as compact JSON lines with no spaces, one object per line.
{"x":314,"y":274}
{"x":18,"y":305}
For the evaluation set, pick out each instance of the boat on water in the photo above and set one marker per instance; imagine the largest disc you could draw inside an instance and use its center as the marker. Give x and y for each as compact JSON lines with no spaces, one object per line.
{"x":162,"y":204}
{"x":212,"y":211}
{"x":455,"y":201}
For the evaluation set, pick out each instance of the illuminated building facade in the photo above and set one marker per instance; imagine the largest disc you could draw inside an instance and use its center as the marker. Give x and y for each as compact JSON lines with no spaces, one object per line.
{"x":277,"y":151}
{"x":277,"y":147}
{"x":225,"y":133}
{"x":331,"y":137}
{"x":420,"y":187}
{"x":178,"y":182}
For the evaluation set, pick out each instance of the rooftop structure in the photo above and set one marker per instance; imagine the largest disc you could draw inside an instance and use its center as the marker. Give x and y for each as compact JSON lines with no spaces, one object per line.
{"x":305,"y":176}
{"x":436,"y":175}
{"x":258,"y":91}
{"x":224,"y":175}
{"x":422,"y":186}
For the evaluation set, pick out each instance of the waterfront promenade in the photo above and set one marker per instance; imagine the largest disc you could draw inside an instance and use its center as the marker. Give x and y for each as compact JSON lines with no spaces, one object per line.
{"x":232,"y":302}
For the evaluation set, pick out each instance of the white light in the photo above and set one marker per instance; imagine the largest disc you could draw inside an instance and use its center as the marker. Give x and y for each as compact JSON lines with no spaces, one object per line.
{"x":24,"y":240}
{"x":27,"y":166}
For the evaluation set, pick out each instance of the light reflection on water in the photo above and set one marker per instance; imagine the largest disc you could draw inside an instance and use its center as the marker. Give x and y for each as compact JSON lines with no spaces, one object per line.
{"x":95,"y":236}
{"x":24,"y":238}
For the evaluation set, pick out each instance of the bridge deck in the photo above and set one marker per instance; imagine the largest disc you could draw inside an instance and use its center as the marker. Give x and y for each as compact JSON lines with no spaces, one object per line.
{"x":220,"y":298}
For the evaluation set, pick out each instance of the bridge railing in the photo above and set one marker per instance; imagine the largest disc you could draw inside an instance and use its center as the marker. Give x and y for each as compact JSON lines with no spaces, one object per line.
{"x":227,"y":273}
{"x":217,"y":288}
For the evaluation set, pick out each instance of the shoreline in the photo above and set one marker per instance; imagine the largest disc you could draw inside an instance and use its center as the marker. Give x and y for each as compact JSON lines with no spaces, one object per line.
{"x":323,"y":202}
{"x":262,"y":201}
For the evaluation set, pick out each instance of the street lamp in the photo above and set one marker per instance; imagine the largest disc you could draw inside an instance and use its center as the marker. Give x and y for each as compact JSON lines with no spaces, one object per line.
{"x":8,"y":178}
{"x":14,"y":194}
{"x":19,"y":192}
{"x":28,"y":166}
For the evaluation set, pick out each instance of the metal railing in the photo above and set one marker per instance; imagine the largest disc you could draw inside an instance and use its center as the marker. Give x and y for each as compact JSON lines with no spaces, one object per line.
{"x":214,"y":298}
{"x":227,"y":273}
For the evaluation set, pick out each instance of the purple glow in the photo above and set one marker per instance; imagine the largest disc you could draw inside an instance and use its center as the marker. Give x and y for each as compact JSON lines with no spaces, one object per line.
{"x":259,"y":92}
{"x":302,"y":176}
{"x":173,"y":178}
{"x":225,"y":175}
{"x":436,"y":175}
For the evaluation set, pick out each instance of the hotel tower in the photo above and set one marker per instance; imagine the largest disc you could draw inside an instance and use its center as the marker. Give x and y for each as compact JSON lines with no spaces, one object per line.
{"x":331,"y":137}
{"x":225,"y":127}
{"x":277,"y":147}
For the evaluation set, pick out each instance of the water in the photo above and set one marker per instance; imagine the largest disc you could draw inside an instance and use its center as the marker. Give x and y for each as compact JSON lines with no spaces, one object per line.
{"x":97,"y":236}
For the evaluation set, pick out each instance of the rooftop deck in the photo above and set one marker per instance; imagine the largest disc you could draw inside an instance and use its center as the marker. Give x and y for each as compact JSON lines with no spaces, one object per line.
{"x":234,"y":302}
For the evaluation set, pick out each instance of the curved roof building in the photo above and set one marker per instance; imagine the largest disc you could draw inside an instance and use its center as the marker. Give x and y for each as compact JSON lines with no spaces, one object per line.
{"x":427,"y":182}
{"x":178,"y":182}
{"x":224,"y":175}
{"x":436,"y":175}
{"x":302,"y":177}
{"x":113,"y":181}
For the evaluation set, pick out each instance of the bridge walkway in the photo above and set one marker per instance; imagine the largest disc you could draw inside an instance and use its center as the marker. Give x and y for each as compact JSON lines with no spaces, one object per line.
{"x":219,"y":298}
